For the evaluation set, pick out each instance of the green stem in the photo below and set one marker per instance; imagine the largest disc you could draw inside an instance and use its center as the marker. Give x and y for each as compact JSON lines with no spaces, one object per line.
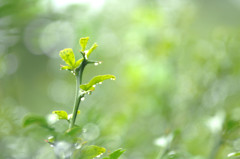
{"x":163,"y":153}
{"x":217,"y":144}
{"x":78,"y":96}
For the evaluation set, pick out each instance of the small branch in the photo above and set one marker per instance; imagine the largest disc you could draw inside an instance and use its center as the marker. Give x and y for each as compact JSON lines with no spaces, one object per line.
{"x":78,"y":96}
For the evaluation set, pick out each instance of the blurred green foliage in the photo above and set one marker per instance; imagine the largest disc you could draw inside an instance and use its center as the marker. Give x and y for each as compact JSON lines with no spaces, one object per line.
{"x":177,"y":66}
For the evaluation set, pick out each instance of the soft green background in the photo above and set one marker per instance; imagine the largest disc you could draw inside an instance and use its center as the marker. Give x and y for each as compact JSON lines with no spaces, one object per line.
{"x":177,"y":64}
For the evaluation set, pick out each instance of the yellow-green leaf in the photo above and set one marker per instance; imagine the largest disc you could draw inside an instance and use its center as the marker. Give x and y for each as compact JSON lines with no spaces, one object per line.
{"x":61,"y":114}
{"x":68,"y":56}
{"x":88,"y":53}
{"x":83,"y":42}
{"x":92,"y":151}
{"x":65,"y":67}
{"x":78,"y":63}
{"x":96,"y":80}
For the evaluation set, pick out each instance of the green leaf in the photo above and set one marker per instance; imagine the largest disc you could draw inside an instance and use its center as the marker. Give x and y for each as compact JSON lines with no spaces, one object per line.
{"x":83,"y":42}
{"x":96,"y":80}
{"x":34,"y":119}
{"x":92,"y":151}
{"x":75,"y":131}
{"x":61,"y":114}
{"x":65,"y":67}
{"x":68,"y":56}
{"x":78,"y":63}
{"x":88,"y":53}
{"x":116,"y":154}
{"x":234,"y":154}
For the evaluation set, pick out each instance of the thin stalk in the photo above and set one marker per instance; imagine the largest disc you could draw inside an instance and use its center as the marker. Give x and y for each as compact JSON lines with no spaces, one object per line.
{"x":217,"y":144}
{"x":78,"y":96}
{"x":163,"y":153}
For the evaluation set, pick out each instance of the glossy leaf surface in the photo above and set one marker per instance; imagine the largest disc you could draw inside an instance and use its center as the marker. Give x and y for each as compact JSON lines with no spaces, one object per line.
{"x":96,"y":80}
{"x":234,"y":154}
{"x":61,"y":114}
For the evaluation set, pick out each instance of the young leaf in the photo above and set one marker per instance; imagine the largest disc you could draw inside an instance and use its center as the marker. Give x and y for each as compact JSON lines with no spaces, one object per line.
{"x":78,"y":63}
{"x":34,"y":119}
{"x":116,"y":154}
{"x":68,"y":56}
{"x":92,"y":151}
{"x":83,"y":42}
{"x":96,"y":80}
{"x":61,"y":114}
{"x":88,"y":53}
{"x":65,"y":67}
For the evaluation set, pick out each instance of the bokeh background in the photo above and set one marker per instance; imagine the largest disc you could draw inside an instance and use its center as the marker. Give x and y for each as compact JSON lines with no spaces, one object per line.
{"x":177,"y":64}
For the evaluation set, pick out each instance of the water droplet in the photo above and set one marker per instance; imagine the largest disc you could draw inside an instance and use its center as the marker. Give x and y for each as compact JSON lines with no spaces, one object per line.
{"x":96,"y":63}
{"x":52,"y":118}
{"x":100,"y":82}
{"x":50,"y":138}
{"x":63,"y":149}
{"x":91,"y":131}
{"x":77,"y":146}
{"x":82,"y":99}
{"x":94,"y":85}
{"x":112,"y":79}
{"x":100,"y":62}
{"x":69,"y":116}
{"x":99,"y":155}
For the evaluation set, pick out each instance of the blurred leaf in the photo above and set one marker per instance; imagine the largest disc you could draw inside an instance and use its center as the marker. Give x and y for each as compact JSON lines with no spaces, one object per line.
{"x":34,"y":119}
{"x":68,"y":56}
{"x":75,"y":131}
{"x":96,"y":80}
{"x":234,"y":154}
{"x":61,"y":114}
{"x":91,"y":151}
{"x":83,"y":42}
{"x":94,"y":46}
{"x":116,"y":154}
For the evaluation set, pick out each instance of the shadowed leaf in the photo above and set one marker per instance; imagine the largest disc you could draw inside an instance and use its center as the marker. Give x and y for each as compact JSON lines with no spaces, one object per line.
{"x":37,"y":120}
